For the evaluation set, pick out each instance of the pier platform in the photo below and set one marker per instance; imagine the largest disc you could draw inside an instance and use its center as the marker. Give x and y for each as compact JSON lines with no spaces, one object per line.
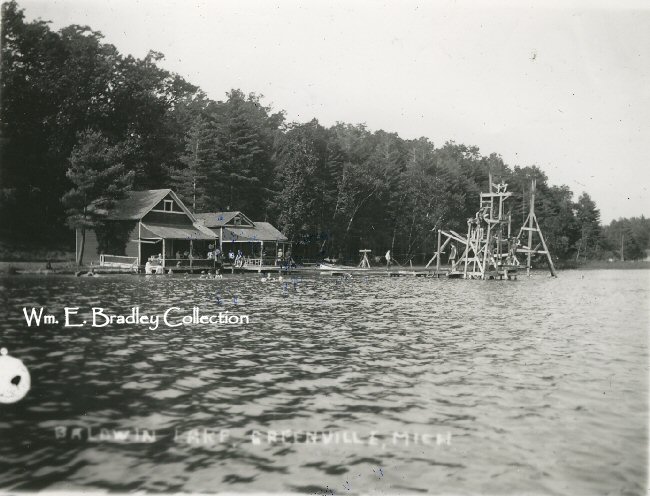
{"x":418,"y":273}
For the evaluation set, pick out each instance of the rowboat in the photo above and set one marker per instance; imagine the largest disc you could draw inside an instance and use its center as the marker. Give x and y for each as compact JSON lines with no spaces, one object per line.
{"x":340,"y":268}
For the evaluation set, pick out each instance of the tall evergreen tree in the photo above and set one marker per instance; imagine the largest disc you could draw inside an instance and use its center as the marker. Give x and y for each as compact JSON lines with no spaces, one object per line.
{"x":246,"y":133}
{"x":191,"y":181}
{"x":588,"y":222}
{"x":296,"y":173}
{"x":99,"y":179}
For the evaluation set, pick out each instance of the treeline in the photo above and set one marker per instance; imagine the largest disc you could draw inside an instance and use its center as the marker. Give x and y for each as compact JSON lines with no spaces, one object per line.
{"x":629,"y":237}
{"x":80,"y":120}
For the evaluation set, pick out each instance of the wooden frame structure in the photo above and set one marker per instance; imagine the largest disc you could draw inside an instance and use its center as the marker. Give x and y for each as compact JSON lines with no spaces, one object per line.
{"x":533,"y":227}
{"x":489,"y":248}
{"x":158,"y":224}
{"x":236,"y":231}
{"x":365,"y":262}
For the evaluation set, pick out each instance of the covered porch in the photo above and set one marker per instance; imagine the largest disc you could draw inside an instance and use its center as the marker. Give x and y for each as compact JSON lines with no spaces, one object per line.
{"x":181,"y":248}
{"x":255,"y":247}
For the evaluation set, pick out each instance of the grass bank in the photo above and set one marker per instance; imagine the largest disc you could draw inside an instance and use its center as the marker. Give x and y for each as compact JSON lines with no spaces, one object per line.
{"x":63,"y":267}
{"x":16,"y":258}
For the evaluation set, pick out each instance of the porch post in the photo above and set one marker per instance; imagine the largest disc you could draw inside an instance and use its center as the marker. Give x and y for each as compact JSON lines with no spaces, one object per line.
{"x":438,"y":260}
{"x":191,"y":256}
{"x":163,"y":253}
{"x":139,"y":244}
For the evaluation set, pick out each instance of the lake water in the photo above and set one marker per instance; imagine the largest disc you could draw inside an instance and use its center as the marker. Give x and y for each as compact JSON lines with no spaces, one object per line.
{"x":404,"y":385}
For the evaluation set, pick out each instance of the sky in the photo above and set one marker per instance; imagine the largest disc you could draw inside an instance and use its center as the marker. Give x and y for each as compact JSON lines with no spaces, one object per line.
{"x":562,"y":85}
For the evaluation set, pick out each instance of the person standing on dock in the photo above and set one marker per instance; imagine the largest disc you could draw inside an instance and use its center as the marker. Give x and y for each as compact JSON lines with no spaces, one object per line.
{"x":387,"y":259}
{"x":452,"y":257}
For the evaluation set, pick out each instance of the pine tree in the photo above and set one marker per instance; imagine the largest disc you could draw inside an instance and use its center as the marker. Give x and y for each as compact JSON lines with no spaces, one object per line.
{"x":588,"y":221}
{"x":296,"y":171}
{"x":192,"y":182}
{"x":99,"y":179}
{"x":245,"y":131}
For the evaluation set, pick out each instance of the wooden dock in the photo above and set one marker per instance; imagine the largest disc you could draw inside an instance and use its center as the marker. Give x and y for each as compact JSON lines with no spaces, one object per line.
{"x":509,"y":273}
{"x":419,"y":273}
{"x":259,"y":269}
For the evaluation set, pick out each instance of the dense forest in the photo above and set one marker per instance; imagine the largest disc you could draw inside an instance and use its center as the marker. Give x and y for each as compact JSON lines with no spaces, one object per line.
{"x":81,"y":122}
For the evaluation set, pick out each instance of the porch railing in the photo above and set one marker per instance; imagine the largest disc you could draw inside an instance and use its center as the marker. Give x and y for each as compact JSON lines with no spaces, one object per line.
{"x":266,"y":261}
{"x":189,"y":262}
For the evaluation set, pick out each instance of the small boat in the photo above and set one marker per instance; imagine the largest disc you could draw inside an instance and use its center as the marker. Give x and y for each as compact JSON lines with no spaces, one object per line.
{"x":339,"y":268}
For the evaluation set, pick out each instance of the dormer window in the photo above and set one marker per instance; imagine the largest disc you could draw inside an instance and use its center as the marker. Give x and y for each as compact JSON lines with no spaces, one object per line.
{"x":237,"y":220}
{"x":168,"y":205}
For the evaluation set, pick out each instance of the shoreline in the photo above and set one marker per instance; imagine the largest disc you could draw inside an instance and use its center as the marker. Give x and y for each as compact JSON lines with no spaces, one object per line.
{"x":70,"y":268}
{"x":616,"y":265}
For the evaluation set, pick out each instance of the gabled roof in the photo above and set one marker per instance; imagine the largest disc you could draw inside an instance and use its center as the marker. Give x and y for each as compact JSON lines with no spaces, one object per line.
{"x":176,"y":232}
{"x":220,"y":219}
{"x":137,"y":204}
{"x":263,"y":231}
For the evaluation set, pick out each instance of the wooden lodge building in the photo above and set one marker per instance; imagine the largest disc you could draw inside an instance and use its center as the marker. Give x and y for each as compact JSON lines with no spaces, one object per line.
{"x":159,"y":226}
{"x":154,"y":228}
{"x":260,"y":242}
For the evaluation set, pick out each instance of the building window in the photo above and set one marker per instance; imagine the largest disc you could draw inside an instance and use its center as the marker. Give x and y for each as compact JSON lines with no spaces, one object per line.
{"x":168,"y":205}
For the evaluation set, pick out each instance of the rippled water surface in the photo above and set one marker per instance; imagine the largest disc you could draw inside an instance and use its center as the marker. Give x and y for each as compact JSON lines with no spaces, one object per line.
{"x":406,"y":385}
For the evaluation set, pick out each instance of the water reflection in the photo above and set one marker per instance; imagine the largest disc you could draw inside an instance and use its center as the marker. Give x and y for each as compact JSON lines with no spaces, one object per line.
{"x":541,"y":385}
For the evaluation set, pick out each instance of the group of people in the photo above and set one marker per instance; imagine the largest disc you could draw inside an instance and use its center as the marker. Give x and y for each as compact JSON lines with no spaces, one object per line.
{"x":187,"y":254}
{"x":214,"y":253}
{"x":235,"y":258}
{"x":155,"y":259}
{"x":154,"y":265}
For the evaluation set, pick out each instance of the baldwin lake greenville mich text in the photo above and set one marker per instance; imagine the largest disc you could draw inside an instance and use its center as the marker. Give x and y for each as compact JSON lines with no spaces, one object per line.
{"x":100,"y":317}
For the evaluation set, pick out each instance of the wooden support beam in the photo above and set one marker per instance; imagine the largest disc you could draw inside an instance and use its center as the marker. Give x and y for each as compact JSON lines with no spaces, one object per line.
{"x":435,"y":255}
{"x":532,"y":252}
{"x":455,"y":236}
{"x":496,"y":195}
{"x":469,"y":232}
{"x":485,"y":249}
{"x":548,"y":255}
{"x":509,"y":224}
{"x":140,"y":243}
{"x":530,"y":222}
{"x":439,"y":250}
